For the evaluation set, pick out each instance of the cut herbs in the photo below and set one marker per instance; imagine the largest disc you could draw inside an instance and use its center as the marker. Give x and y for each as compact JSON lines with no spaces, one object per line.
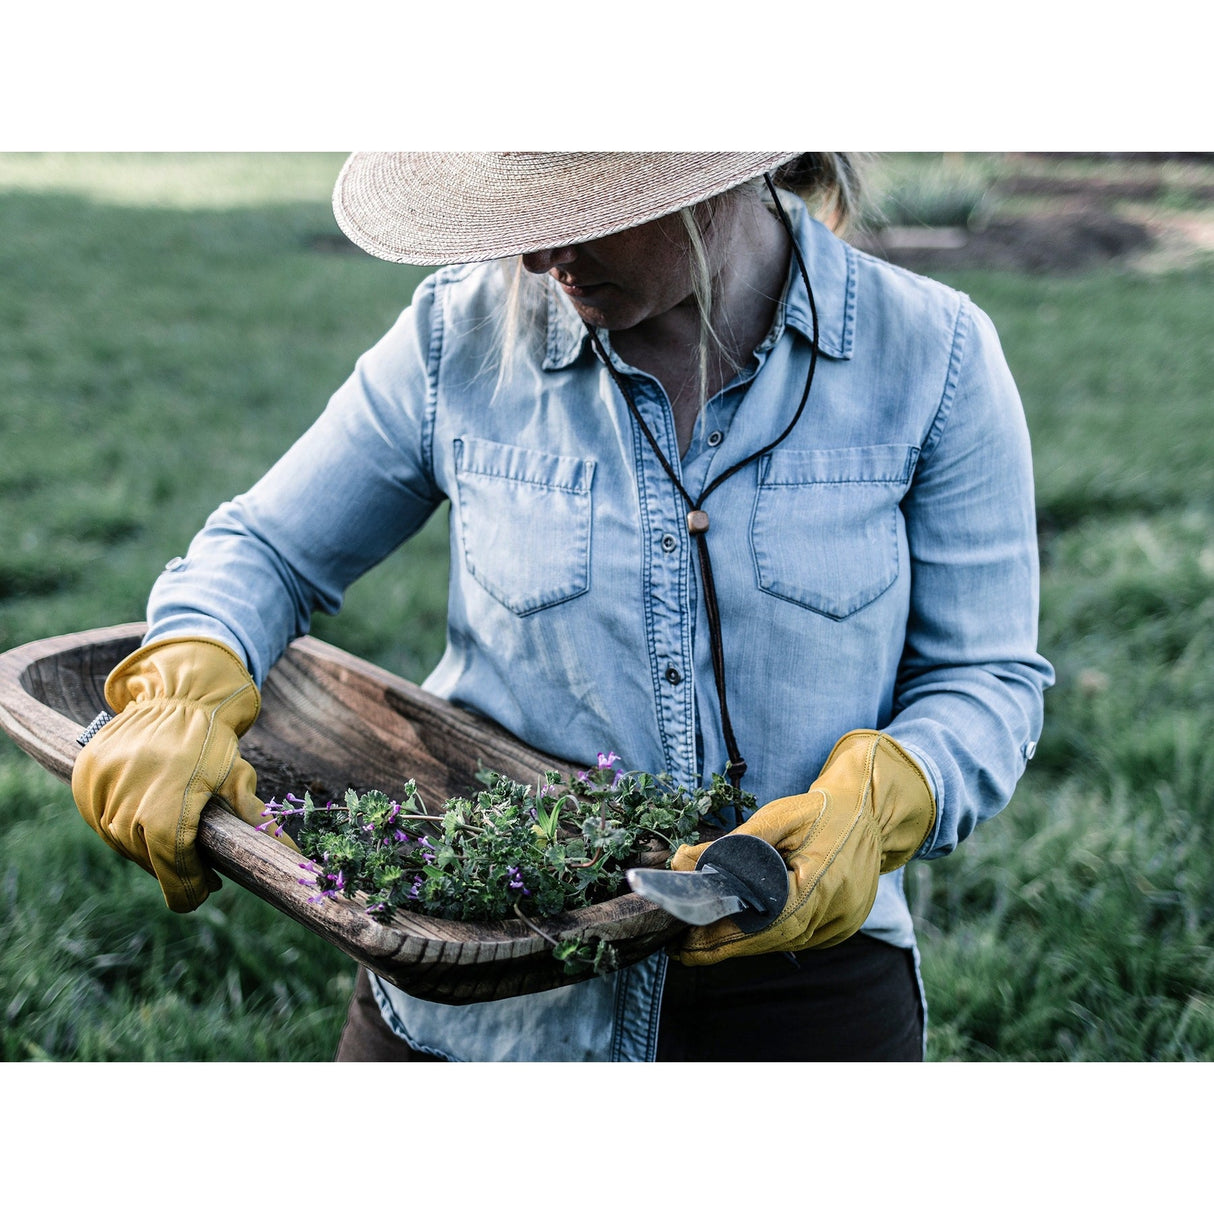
{"x":507,"y":850}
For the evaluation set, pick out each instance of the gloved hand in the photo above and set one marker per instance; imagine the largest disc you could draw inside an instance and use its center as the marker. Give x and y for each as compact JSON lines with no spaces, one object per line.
{"x":141,"y":782}
{"x":867,"y":813}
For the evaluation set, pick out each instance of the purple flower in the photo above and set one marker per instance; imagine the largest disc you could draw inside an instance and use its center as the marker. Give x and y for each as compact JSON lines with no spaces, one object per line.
{"x":606,"y":760}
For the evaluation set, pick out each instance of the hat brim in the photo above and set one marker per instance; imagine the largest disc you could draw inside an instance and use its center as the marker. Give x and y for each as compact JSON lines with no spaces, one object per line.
{"x":441,"y":208}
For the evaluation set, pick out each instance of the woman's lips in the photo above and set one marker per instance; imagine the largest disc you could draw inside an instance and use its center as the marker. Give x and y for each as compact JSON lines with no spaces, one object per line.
{"x":578,"y":290}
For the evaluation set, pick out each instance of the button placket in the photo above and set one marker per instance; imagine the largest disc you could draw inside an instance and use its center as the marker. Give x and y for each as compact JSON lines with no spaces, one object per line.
{"x":671,"y":602}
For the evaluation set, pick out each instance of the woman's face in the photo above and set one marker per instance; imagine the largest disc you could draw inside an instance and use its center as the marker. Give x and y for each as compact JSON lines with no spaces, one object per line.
{"x":623,"y":280}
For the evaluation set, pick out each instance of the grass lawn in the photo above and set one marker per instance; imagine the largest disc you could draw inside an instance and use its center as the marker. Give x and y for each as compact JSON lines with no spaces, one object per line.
{"x":169,"y":324}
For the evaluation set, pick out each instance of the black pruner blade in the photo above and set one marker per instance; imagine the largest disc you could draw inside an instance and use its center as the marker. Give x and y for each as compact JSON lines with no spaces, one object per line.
{"x":740,"y":877}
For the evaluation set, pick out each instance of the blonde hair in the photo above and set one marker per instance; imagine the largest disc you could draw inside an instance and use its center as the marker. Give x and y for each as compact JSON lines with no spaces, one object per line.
{"x":831,"y":184}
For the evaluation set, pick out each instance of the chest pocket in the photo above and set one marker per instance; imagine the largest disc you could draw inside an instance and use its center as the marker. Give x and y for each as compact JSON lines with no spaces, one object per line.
{"x":825,"y":529}
{"x":524,"y":522}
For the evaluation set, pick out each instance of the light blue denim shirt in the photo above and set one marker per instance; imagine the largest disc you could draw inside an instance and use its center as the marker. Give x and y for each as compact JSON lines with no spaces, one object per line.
{"x":878,"y":569}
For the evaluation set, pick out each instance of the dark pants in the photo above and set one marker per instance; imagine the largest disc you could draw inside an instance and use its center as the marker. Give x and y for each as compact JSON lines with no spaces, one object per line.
{"x":856,"y":1002}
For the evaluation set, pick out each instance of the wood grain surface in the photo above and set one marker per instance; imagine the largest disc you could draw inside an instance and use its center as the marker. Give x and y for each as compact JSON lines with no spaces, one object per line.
{"x":329,"y":722}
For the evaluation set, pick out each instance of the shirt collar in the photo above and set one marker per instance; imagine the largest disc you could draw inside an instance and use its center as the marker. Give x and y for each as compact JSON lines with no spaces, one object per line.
{"x":829,"y":261}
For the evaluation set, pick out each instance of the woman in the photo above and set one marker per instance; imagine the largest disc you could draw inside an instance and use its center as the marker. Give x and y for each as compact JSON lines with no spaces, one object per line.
{"x":726,"y":496}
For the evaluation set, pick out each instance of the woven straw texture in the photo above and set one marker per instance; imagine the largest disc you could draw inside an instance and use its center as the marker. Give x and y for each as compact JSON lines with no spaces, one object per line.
{"x":439,"y":208}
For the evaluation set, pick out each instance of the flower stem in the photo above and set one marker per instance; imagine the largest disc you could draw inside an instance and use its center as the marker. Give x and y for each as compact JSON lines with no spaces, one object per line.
{"x":535,"y":927}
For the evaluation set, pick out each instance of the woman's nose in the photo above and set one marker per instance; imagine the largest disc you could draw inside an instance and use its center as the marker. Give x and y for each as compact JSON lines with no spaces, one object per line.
{"x":543,"y":260}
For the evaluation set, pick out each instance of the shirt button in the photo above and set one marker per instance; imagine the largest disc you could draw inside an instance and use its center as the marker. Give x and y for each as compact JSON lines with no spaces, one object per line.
{"x":673,"y":677}
{"x":714,"y":439}
{"x":669,"y":543}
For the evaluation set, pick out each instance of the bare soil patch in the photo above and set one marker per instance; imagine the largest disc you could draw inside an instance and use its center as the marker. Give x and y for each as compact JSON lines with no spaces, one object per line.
{"x":1063,"y":243}
{"x":1064,"y":224}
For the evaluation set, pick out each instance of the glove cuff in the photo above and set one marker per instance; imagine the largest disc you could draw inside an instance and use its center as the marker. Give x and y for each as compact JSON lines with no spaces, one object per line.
{"x":200,"y":670}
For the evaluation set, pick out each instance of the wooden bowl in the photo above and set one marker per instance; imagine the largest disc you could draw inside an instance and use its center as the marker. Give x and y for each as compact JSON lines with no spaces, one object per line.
{"x":329,"y":722}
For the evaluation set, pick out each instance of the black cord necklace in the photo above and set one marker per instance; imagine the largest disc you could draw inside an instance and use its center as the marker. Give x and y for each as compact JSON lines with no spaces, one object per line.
{"x":697,"y":517}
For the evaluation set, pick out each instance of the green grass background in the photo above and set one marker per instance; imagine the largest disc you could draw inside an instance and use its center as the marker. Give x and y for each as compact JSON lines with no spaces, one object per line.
{"x":169,"y":323}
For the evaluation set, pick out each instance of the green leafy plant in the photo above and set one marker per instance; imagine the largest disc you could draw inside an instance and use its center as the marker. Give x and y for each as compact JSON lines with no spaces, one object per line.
{"x":930,"y":192}
{"x":510,"y":849}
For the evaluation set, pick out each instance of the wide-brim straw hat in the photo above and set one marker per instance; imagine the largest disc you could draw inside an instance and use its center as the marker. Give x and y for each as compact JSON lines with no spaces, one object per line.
{"x":440,"y":208}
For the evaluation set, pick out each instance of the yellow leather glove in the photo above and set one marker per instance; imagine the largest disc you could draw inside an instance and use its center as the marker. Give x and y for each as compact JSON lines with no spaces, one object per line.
{"x":867,"y":813}
{"x":141,"y":782}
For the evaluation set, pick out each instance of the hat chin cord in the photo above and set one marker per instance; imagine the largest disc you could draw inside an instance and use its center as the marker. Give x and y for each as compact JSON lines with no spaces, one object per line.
{"x":697,"y":516}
